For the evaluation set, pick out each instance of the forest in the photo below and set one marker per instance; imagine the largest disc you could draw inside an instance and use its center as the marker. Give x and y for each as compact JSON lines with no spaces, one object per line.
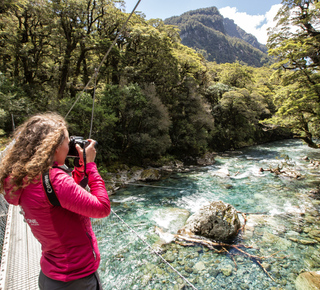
{"x":154,"y":98}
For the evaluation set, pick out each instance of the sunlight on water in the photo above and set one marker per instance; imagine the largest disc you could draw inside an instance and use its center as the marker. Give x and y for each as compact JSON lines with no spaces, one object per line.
{"x":282,"y":224}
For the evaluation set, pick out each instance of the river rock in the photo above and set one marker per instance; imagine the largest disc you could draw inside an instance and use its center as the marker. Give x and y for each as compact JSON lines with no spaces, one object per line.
{"x":150,"y":174}
{"x":308,"y":281}
{"x":206,"y":159}
{"x":200,"y":266}
{"x":218,"y":221}
{"x":315,"y":234}
{"x":269,"y":239}
{"x":169,"y":257}
{"x":227,"y":270}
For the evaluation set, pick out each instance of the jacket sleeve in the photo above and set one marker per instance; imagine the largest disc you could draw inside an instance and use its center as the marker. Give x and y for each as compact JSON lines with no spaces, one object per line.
{"x":77,"y":175}
{"x":95,"y":204}
{"x":11,"y":197}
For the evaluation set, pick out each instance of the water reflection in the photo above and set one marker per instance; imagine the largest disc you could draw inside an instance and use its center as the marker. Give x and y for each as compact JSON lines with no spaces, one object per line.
{"x":282,"y":219}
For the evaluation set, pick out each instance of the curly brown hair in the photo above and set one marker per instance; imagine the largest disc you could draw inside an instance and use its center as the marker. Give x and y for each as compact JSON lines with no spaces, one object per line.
{"x":32,"y":152}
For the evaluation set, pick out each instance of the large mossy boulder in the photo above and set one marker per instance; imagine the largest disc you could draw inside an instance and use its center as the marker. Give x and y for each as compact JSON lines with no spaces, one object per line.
{"x":218,"y":221}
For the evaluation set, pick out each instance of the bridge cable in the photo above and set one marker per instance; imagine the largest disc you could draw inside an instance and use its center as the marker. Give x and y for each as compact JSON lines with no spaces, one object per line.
{"x":149,"y":185}
{"x":93,"y":99}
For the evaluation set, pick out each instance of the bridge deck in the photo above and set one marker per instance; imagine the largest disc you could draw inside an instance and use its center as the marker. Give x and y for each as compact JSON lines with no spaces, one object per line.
{"x":20,"y":263}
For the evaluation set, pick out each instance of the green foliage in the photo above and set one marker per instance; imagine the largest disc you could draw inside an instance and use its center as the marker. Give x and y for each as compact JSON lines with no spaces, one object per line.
{"x":141,"y":122}
{"x":191,"y":122}
{"x":103,"y":124}
{"x":148,"y":56}
{"x":6,"y":5}
{"x":235,"y":75}
{"x":214,"y":93}
{"x":295,"y":43}
{"x":237,"y":115}
{"x":13,"y":104}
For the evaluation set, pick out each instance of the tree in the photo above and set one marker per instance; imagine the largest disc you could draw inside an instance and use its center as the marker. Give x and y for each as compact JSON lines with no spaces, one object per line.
{"x":53,"y":47}
{"x":192,"y":123}
{"x":84,"y":27}
{"x":297,"y":108}
{"x":14,"y":105}
{"x":25,"y":53}
{"x":148,"y":55}
{"x":214,"y":93}
{"x":265,"y":85}
{"x":6,"y":5}
{"x":237,"y":118}
{"x":235,"y":75}
{"x":141,"y":122}
{"x":295,"y":42}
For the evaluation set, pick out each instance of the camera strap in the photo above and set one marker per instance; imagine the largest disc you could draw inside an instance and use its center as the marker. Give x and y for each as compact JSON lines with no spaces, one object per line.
{"x":48,"y":187}
{"x":49,"y":190}
{"x":84,"y":182}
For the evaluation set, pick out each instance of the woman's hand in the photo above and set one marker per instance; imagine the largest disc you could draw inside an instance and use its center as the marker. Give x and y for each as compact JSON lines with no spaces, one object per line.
{"x":90,"y":152}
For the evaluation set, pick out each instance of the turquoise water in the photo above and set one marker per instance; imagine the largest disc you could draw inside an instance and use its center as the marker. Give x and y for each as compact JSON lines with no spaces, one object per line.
{"x":282,"y":217}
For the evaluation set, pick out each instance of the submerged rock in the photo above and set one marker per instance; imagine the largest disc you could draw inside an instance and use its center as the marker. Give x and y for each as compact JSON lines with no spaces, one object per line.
{"x":308,"y":281}
{"x":303,"y":241}
{"x":218,"y":221}
{"x":227,"y":270}
{"x":269,"y":239}
{"x":315,"y":234}
{"x":171,"y":219}
{"x":200,"y":266}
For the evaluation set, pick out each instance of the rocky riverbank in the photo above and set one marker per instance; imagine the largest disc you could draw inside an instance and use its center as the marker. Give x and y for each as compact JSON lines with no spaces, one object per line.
{"x":125,"y":175}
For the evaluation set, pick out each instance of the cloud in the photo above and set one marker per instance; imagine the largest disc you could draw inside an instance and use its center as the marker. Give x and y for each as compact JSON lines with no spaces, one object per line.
{"x":255,"y":24}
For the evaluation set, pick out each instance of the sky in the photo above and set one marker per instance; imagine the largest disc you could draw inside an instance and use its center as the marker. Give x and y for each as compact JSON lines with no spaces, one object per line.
{"x":253,"y":16}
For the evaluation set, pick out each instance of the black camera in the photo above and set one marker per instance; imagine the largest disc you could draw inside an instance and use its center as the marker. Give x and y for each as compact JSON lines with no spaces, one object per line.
{"x":74,"y":140}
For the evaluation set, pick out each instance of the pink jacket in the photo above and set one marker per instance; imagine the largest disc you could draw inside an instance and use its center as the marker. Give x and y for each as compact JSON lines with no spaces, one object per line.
{"x":69,"y":246}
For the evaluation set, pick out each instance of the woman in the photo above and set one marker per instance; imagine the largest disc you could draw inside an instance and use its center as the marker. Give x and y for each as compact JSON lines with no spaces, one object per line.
{"x":70,"y":256}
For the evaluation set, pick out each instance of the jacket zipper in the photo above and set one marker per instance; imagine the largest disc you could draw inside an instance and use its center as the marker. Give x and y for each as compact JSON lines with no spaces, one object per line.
{"x":94,"y":253}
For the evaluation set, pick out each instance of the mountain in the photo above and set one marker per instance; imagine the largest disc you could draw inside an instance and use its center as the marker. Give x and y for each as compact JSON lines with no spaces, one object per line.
{"x":219,"y":39}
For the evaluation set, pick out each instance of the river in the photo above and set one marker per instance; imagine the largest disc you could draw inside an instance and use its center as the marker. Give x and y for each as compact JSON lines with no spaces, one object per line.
{"x":282,"y":217}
